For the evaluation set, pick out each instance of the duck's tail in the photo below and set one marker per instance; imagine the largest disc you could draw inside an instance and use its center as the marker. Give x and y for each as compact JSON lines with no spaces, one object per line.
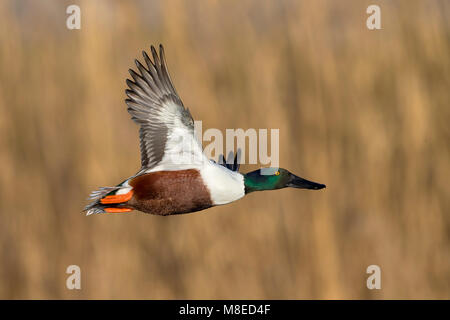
{"x":109,"y":200}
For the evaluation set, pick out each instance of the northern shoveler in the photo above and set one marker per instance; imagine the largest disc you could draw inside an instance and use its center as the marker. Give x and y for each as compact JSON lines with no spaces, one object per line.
{"x":176,"y":177}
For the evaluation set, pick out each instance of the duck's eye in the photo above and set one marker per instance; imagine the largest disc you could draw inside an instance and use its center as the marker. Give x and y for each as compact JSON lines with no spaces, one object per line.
{"x":277,"y":173}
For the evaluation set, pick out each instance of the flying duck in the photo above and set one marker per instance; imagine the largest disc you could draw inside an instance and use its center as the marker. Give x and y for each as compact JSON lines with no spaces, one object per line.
{"x":176,"y":176}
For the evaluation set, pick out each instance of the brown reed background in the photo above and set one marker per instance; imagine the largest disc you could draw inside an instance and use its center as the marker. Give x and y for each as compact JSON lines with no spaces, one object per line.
{"x":365,"y":112}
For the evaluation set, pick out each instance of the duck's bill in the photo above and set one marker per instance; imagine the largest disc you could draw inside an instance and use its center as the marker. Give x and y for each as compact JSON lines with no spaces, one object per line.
{"x":297,"y":182}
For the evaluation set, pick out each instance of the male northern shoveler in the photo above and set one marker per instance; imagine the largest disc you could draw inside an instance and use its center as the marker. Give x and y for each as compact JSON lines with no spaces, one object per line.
{"x":176,"y":177}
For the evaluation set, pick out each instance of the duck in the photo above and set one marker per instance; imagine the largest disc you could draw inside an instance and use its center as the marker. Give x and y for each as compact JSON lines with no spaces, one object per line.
{"x":175,"y":176}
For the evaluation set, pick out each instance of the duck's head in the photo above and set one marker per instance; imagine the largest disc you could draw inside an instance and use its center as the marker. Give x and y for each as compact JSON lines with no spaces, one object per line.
{"x":276,"y":178}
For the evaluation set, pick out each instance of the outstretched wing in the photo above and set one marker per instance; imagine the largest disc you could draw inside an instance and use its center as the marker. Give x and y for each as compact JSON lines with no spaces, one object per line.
{"x":166,"y":126}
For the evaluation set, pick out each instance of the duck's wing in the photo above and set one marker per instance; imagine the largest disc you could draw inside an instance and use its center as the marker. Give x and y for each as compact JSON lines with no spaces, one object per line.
{"x":166,"y":126}
{"x":230,"y":164}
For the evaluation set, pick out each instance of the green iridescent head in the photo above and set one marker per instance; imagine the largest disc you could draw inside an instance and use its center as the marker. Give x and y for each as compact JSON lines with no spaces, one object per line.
{"x":276,"y":178}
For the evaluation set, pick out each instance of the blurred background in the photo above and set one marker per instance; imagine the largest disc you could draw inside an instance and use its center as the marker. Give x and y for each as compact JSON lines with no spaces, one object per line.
{"x":365,"y":112}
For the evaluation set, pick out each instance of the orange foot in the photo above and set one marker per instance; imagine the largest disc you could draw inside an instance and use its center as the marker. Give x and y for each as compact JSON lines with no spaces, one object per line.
{"x":117,"y":198}
{"x":116,"y":210}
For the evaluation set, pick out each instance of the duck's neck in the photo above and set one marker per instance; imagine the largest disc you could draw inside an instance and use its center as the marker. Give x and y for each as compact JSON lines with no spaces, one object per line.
{"x":257,"y":183}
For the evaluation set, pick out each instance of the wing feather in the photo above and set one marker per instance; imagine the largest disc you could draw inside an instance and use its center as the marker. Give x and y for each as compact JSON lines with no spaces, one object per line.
{"x":154,"y":104}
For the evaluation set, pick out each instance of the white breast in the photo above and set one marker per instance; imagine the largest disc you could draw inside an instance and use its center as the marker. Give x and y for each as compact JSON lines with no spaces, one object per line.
{"x":224,"y":185}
